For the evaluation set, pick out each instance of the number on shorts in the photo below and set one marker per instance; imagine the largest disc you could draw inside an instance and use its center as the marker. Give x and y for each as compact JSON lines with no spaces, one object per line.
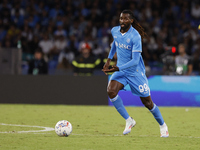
{"x":143,"y":88}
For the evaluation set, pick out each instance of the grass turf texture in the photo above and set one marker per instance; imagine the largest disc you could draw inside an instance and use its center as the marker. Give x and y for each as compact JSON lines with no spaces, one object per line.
{"x":97,"y":128}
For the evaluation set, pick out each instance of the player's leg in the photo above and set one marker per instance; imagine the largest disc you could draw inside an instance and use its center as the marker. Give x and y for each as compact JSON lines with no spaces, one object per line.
{"x":112,"y":90}
{"x":139,"y":86}
{"x":117,"y":82}
{"x":148,"y":103}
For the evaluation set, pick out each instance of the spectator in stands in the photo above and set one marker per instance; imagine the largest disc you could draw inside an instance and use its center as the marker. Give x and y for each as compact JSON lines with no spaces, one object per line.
{"x":33,"y":44}
{"x":44,"y":18}
{"x":5,"y":13}
{"x":65,"y":59}
{"x":46,"y":45}
{"x":59,"y":45}
{"x":195,"y":10}
{"x":27,"y":33}
{"x":55,"y":11}
{"x":8,"y":44}
{"x":17,"y":18}
{"x":73,"y":45}
{"x":13,"y":32}
{"x":74,"y":30}
{"x":60,"y":31}
{"x":183,"y":62}
{"x":38,"y":65}
{"x":85,"y":63}
{"x":87,"y":39}
{"x":8,"y":41}
{"x":97,"y":51}
{"x":17,"y":9}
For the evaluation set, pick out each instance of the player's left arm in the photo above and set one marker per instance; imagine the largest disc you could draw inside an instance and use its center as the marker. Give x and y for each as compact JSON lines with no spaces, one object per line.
{"x":136,"y":53}
{"x":133,"y":62}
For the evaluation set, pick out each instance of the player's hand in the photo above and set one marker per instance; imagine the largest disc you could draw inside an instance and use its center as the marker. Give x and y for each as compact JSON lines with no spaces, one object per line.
{"x":106,"y":66}
{"x":113,"y":69}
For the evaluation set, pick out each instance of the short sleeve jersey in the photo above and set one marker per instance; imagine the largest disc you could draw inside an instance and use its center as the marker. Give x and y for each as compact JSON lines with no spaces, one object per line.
{"x":125,"y":45}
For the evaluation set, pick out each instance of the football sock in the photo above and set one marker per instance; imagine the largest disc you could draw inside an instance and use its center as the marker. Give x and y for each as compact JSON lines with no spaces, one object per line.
{"x":157,"y":115}
{"x":117,"y":102}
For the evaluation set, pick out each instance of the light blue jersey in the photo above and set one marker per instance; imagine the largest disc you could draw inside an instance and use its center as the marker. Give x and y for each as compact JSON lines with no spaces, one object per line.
{"x":126,"y":45}
{"x":129,"y":60}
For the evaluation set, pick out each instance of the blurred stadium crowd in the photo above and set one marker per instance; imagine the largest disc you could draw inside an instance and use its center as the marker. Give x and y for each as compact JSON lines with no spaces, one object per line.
{"x":62,"y":28}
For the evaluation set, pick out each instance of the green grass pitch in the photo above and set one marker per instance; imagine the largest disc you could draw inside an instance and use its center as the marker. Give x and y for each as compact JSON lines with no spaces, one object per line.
{"x":96,"y":128}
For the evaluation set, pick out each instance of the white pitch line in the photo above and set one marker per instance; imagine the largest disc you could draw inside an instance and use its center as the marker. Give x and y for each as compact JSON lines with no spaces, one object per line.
{"x":44,"y":128}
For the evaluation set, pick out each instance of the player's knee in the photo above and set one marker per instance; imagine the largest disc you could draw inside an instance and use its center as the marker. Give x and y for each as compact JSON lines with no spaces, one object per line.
{"x":148,"y":103}
{"x":111,"y":93}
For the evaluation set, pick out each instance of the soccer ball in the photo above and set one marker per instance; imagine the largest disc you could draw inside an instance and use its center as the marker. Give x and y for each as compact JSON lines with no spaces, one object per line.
{"x":63,"y":128}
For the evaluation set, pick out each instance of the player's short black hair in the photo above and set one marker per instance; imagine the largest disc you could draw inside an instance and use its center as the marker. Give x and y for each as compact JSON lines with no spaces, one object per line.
{"x":127,"y":11}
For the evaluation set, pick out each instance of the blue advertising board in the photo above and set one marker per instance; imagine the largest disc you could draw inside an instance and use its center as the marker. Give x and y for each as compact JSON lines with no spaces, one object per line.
{"x":167,"y":91}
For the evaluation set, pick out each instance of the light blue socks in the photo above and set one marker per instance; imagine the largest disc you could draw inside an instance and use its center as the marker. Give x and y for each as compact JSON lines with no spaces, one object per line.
{"x":157,"y":115}
{"x":117,"y":102}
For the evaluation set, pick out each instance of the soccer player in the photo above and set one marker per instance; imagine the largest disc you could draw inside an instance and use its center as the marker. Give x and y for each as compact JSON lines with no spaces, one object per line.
{"x":130,"y":70}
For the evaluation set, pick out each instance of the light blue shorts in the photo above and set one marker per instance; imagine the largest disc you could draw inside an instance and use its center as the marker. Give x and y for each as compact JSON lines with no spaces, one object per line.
{"x":138,"y":84}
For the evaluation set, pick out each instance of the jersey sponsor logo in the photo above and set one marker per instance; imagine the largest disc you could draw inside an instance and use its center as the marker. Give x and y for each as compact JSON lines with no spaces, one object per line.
{"x":124,"y":46}
{"x":115,"y":36}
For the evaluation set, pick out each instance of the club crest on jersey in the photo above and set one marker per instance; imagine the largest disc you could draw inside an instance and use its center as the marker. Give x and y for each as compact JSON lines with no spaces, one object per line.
{"x":124,"y":46}
{"x":128,"y":40}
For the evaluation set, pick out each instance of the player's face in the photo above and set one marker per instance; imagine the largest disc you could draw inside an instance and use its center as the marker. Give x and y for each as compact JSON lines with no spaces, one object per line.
{"x":125,"y":21}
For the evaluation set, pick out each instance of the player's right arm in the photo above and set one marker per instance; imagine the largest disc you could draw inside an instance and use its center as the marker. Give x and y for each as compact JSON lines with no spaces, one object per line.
{"x":110,"y":56}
